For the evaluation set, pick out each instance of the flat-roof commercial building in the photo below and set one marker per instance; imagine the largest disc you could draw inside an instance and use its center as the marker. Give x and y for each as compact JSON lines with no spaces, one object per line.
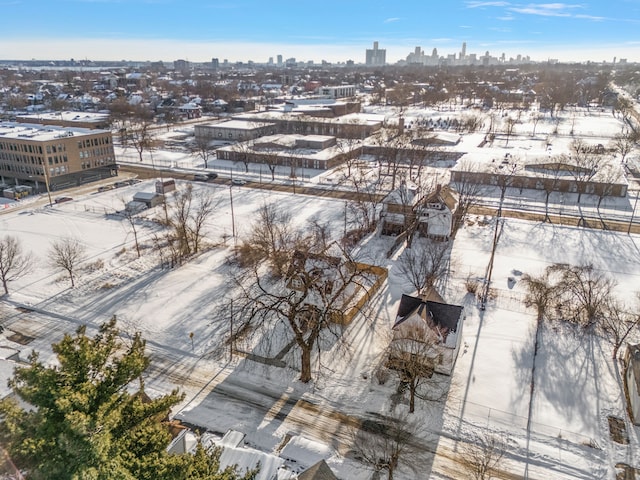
{"x":234,"y":130}
{"x":72,"y":156}
{"x":306,"y":151}
{"x":356,"y":126}
{"x":68,"y":119}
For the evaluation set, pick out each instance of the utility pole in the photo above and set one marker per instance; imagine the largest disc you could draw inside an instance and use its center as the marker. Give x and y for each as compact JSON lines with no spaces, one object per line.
{"x":46,"y":181}
{"x":233,"y":218}
{"x":231,"y":333}
{"x":633,"y":212}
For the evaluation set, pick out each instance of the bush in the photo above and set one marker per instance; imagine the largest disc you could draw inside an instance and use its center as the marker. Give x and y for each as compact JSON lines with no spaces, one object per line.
{"x":471,"y":284}
{"x":382,"y":375}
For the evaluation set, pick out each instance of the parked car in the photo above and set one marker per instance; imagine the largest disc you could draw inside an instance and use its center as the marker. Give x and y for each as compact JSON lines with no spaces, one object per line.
{"x":201,"y":177}
{"x":212,"y":175}
{"x":238,"y":181}
{"x":105,"y":188}
{"x":63,"y":199}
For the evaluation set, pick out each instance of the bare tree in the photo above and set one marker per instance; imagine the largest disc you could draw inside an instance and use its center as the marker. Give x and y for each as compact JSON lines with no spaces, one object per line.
{"x":139,"y":136}
{"x":187,"y":218}
{"x":541,"y":293}
{"x":553,"y":174}
{"x":242,"y":152}
{"x":319,"y":287}
{"x":469,"y":192}
{"x":509,"y":128}
{"x":369,"y":192}
{"x":583,"y":293}
{"x":618,"y":323}
{"x":623,"y":144}
{"x":482,"y":454}
{"x":13,"y":262}
{"x":350,"y":147}
{"x":271,"y":237}
{"x":609,"y":175}
{"x":202,"y":148}
{"x":385,"y":444}
{"x":424,"y":264}
{"x":535,"y":119}
{"x":585,"y":161}
{"x":413,"y":355}
{"x":391,"y":146}
{"x":129,"y":214}
{"x":67,"y":254}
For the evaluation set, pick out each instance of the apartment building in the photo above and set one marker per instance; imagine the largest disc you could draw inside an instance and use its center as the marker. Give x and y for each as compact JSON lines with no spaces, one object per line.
{"x":72,"y":156}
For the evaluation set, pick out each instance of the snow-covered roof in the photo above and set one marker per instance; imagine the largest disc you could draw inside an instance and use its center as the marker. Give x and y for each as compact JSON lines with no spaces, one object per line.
{"x":238,"y":125}
{"x":30,"y":131}
{"x":67,"y":117}
{"x":444,"y":316}
{"x":247,"y":458}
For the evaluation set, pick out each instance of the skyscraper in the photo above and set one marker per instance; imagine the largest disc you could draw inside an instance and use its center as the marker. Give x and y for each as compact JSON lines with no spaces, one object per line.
{"x":376,"y":56}
{"x":463,"y":53}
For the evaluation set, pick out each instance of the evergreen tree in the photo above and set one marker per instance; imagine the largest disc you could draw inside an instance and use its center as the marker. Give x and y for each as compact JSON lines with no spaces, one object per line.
{"x":90,"y":418}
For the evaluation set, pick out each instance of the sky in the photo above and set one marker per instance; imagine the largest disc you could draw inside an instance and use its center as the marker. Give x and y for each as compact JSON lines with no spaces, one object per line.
{"x":332,"y":30}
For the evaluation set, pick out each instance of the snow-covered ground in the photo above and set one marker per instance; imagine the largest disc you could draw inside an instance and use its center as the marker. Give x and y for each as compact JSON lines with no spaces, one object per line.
{"x":577,"y":385}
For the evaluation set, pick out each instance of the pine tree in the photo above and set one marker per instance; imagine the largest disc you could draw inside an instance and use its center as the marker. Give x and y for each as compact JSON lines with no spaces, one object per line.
{"x":90,"y":417}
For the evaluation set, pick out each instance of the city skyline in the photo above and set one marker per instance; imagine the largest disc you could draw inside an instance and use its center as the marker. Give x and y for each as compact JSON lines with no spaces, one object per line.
{"x":152,"y":30}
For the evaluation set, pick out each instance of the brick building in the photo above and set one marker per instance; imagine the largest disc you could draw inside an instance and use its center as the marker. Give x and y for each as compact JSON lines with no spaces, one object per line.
{"x":72,"y":155}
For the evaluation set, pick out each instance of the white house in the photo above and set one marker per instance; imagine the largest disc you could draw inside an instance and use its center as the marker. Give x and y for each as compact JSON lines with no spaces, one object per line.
{"x":435,"y":213}
{"x":405,"y":209}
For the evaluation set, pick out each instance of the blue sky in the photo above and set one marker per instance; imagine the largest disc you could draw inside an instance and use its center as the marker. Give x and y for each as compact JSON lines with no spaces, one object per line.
{"x":334,"y":30}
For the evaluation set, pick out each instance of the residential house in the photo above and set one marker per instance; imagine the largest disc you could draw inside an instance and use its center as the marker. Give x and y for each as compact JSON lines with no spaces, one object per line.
{"x":404,"y":209}
{"x":398,"y":209}
{"x":442,"y":322}
{"x":318,"y":471}
{"x":435,"y":213}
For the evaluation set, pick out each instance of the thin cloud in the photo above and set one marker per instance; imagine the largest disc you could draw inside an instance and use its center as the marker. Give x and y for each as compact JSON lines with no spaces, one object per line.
{"x":547,"y":9}
{"x":392,"y":20}
{"x":487,"y":4}
{"x":592,"y":17}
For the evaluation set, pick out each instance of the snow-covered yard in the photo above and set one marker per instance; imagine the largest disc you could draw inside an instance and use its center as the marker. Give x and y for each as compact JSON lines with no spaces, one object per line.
{"x":563,"y":433}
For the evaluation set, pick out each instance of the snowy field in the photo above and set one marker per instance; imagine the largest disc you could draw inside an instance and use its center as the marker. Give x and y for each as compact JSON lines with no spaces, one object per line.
{"x":179,"y":313}
{"x":577,"y":386}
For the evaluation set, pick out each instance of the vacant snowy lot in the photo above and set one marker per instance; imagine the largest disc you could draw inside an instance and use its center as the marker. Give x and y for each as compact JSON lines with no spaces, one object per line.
{"x":560,"y":432}
{"x":576,"y":382}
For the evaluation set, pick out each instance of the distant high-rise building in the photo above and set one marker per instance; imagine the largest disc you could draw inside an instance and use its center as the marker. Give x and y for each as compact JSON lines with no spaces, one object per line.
{"x":376,"y":56}
{"x":181,"y":65}
{"x":463,"y":53}
{"x":279,"y":57}
{"x":270,"y":62}
{"x":215,"y":63}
